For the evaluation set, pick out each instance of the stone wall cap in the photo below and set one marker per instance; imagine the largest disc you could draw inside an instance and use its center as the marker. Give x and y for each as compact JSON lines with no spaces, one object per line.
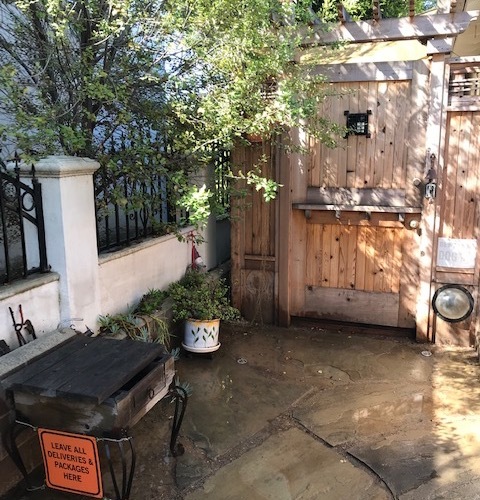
{"x":22,"y":356}
{"x":63,"y":166}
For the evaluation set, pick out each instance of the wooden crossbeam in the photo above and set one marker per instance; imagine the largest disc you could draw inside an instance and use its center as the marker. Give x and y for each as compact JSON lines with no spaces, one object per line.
{"x":403,"y":28}
{"x":377,"y":13}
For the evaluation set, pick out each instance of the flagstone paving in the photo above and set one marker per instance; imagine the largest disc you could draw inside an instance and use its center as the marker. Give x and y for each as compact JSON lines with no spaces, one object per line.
{"x":305,"y":413}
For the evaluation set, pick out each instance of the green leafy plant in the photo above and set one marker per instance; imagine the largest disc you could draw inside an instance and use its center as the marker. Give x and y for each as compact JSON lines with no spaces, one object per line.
{"x":151,"y":301}
{"x":145,"y":328}
{"x":200,"y":295}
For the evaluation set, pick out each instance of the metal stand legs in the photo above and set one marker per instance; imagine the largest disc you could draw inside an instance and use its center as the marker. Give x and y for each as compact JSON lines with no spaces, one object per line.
{"x":180,"y":397}
{"x":10,"y":444}
{"x":122,"y":493}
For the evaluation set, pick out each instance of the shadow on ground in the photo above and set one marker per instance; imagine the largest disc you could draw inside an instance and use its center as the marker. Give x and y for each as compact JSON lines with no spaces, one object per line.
{"x":305,"y":413}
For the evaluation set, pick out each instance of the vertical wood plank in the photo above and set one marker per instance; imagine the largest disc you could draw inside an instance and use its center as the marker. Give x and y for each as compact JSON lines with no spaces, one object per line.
{"x":342,"y":256}
{"x":381,"y":121}
{"x":297,"y":237}
{"x":438,"y":91}
{"x":392,"y":121}
{"x":379,"y":268}
{"x":318,"y":231}
{"x":310,"y":256}
{"x":285,"y":220}
{"x":361,"y":258}
{"x":460,"y":229}
{"x":471,"y":182}
{"x":351,"y":256}
{"x":238,"y":230}
{"x":326,"y":254}
{"x":415,"y":135}
{"x":352,"y":153}
{"x":370,"y":250}
{"x":447,"y":214}
{"x":399,"y":137}
{"x":335,"y":256}
{"x":369,"y":172}
{"x":398,"y":236}
{"x":408,"y":279}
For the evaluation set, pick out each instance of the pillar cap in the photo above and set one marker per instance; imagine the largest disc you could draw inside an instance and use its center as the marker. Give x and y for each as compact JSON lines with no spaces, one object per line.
{"x":64,"y":166}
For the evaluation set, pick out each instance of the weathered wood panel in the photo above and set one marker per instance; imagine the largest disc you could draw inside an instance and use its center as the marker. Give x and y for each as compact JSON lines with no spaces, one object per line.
{"x":461,"y":179}
{"x":361,"y":162}
{"x":354,"y":257}
{"x":253,"y":237}
{"x":352,"y":306}
{"x":259,"y":217}
{"x":459,"y":214}
{"x":258,"y":295}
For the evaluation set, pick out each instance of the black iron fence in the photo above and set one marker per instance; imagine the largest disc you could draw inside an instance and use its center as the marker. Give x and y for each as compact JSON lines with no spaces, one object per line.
{"x":130,"y":209}
{"x":135,"y":202}
{"x":222,"y":163}
{"x":22,"y":230}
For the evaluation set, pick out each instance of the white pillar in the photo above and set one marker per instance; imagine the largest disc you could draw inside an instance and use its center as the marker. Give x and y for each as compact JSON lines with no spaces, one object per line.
{"x":70,"y":233}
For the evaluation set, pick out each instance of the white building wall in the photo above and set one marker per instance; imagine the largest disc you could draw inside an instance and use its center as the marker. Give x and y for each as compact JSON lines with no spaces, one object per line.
{"x":39,"y":298}
{"x":127,"y":274}
{"x":83,"y":285}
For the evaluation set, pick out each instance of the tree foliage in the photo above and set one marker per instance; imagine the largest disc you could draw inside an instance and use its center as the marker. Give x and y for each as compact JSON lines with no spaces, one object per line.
{"x":159,"y":79}
{"x":77,"y":75}
{"x":363,"y":10}
{"x":141,"y":84}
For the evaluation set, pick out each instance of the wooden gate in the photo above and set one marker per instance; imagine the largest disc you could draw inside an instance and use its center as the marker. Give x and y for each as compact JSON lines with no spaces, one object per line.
{"x":253,"y":238}
{"x":459,"y":217}
{"x":362,"y":212}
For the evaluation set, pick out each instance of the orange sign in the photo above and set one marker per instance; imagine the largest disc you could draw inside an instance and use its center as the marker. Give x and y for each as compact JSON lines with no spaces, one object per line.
{"x":71,"y":462}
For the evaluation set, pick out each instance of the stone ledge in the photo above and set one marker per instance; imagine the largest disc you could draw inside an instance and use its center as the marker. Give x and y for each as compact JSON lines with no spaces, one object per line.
{"x":16,"y":359}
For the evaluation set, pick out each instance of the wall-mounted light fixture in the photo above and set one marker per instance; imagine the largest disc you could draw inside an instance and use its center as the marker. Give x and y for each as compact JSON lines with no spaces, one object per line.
{"x":357,"y":123}
{"x":453,"y":303}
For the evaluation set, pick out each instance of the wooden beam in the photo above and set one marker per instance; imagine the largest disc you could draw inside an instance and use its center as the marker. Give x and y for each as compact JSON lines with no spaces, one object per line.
{"x":440,"y":46}
{"x":365,"y":72}
{"x":342,"y":13}
{"x":377,"y":13}
{"x":411,"y":8}
{"x":403,"y":28}
{"x":436,"y":120}
{"x":282,"y":238}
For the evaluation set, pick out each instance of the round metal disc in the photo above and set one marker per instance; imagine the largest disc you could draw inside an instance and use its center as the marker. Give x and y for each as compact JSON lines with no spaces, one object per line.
{"x":452,"y":303}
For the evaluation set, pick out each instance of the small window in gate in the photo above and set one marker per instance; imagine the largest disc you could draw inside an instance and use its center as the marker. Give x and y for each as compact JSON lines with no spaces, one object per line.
{"x":357,"y":123}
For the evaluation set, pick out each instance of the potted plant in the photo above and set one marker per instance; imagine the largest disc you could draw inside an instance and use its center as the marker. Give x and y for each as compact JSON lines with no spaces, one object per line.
{"x":201,"y":300}
{"x":146,"y":322}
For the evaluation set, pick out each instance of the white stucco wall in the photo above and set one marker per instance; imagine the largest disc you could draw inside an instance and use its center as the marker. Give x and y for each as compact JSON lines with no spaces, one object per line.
{"x":127,"y":274}
{"x":82,"y":284}
{"x":39,"y":297}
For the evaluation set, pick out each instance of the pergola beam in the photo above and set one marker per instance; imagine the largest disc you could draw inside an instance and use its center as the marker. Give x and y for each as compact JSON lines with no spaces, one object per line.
{"x":403,"y":28}
{"x":411,"y":8}
{"x":343,"y":16}
{"x":377,"y":13}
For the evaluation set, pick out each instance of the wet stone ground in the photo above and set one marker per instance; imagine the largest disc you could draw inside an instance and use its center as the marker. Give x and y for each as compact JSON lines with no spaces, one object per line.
{"x":305,"y":413}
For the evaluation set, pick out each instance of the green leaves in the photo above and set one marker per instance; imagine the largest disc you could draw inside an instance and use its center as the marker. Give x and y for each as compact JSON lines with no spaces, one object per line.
{"x":201,"y":296}
{"x":107,"y":80}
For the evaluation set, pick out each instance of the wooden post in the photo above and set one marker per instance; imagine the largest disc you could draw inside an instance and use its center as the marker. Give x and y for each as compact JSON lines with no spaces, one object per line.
{"x":282,"y":241}
{"x":434,"y":146}
{"x":238,"y":231}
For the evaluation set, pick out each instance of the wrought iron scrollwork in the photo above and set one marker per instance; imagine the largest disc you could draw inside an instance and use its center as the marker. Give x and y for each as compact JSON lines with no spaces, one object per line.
{"x":20,"y":203}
